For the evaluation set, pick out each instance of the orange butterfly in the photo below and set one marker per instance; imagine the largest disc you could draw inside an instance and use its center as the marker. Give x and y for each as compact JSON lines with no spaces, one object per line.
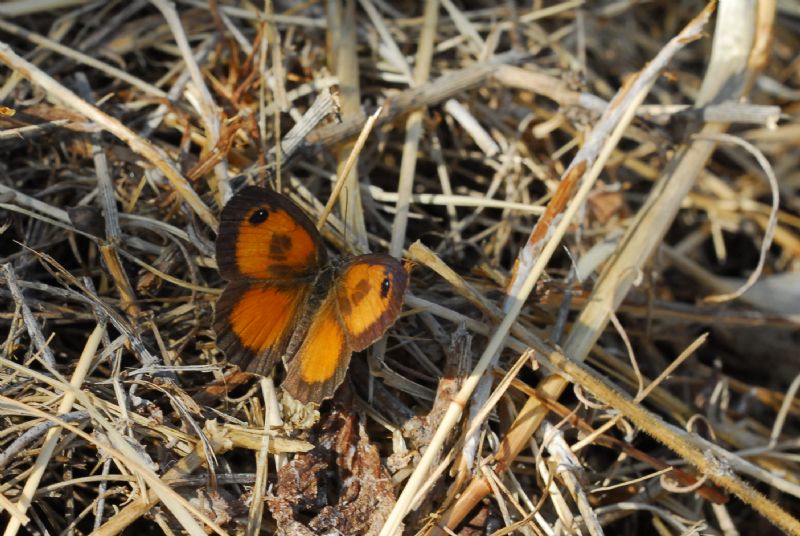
{"x":284,"y":300}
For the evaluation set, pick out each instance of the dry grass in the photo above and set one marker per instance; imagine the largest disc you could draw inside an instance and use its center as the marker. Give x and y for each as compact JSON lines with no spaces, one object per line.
{"x":600,"y":201}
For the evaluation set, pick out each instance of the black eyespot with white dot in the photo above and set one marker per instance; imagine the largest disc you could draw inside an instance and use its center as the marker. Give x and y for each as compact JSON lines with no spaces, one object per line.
{"x":385,"y":287}
{"x":259,"y":216}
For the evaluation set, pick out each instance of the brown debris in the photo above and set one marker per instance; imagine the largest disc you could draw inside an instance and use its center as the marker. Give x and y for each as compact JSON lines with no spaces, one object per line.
{"x":340,"y":485}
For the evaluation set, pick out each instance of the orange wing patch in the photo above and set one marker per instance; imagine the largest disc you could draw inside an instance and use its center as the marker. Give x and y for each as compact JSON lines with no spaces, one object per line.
{"x":318,"y":367}
{"x":265,"y":236}
{"x":370,"y":294}
{"x":318,"y":358}
{"x":254,"y":323}
{"x":260,"y":317}
{"x":271,"y":245}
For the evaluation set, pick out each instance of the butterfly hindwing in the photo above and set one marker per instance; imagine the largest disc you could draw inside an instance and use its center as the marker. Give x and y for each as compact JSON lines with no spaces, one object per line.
{"x":254,"y":322}
{"x":263,"y":235}
{"x":318,"y":366}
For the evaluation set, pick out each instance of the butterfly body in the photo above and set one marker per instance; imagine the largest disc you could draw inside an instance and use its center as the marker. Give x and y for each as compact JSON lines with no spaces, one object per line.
{"x":285,"y":301}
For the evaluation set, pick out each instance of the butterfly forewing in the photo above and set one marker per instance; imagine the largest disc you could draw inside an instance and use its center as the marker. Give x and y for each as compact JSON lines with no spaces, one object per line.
{"x":369,"y":292}
{"x":262,"y":235}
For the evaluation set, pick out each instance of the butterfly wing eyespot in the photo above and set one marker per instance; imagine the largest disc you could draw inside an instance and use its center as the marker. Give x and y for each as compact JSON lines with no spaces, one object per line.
{"x":369,"y":292}
{"x":258,"y":216}
{"x":263,"y":235}
{"x":386,"y":286}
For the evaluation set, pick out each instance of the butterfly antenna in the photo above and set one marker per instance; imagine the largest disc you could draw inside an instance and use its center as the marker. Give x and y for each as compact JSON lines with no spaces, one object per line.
{"x":344,"y":214}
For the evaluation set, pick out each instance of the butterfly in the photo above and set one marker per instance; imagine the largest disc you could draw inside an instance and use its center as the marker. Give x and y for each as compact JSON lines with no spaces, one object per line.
{"x":285,"y":301}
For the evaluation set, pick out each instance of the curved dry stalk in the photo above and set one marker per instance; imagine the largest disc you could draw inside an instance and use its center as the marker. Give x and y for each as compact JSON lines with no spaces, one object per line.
{"x":769,"y":233}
